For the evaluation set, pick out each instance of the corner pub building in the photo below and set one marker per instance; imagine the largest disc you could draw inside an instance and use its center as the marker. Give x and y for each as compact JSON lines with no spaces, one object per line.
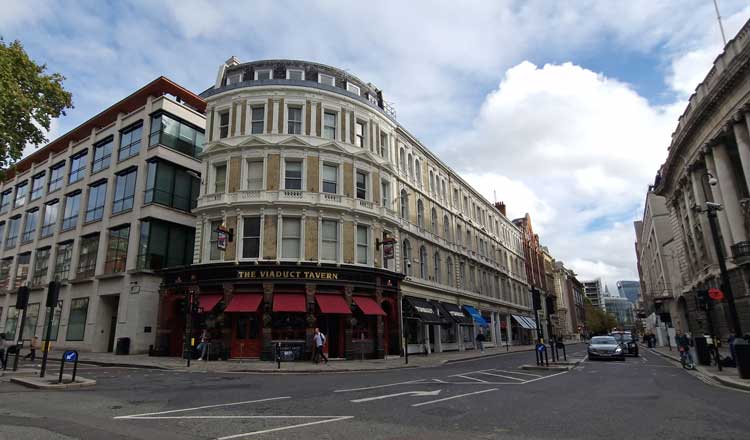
{"x":317,"y":209}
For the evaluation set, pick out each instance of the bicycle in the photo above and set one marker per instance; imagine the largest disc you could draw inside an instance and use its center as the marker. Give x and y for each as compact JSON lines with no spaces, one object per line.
{"x":686,"y":360}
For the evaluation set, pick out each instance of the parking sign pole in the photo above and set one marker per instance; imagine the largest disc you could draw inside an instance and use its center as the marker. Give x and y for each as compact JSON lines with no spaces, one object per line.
{"x":47,"y":335}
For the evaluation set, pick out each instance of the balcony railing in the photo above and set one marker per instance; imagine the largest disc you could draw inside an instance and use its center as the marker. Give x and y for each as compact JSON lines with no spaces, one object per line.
{"x":741,"y":250}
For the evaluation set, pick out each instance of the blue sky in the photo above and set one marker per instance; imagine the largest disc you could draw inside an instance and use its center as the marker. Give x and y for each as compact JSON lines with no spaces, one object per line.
{"x":565,"y":107}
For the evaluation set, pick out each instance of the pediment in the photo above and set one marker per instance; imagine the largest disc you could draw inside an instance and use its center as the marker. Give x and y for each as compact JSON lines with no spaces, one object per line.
{"x":294,"y":141}
{"x":253,"y":140}
{"x":333,"y":146}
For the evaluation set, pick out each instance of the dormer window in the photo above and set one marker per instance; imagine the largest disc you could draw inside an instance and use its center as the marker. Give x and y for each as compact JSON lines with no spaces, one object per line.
{"x":352,"y":88}
{"x":326,"y":79}
{"x":234,"y":78}
{"x":372,"y":98}
{"x":263,"y":74}
{"x":295,"y":74}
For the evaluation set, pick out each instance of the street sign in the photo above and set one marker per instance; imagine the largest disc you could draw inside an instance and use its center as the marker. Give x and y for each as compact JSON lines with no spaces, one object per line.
{"x":715,"y":294}
{"x":70,"y":356}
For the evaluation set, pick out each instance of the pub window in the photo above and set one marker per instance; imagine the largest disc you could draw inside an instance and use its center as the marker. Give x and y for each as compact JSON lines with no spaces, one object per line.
{"x":254,"y":175}
{"x":263,"y":74}
{"x":330,"y":178}
{"x":117,"y":249}
{"x":62,"y":261}
{"x":359,"y":134}
{"x":29,"y":228}
{"x":41,"y":264}
{"x":70,"y":216}
{"x":352,"y":88}
{"x":295,"y":74}
{"x":102,"y":155}
{"x":294,"y":120}
{"x":124,"y":191}
{"x":251,"y":237}
{"x":87,"y":256}
{"x":95,"y":205}
{"x":234,"y":78}
{"x":77,"y":319}
{"x":329,"y":248}
{"x":290,"y":238}
{"x":292,"y":174}
{"x":223,"y":124}
{"x":56,"y":177}
{"x":329,"y":125}
{"x":257,"y":115}
{"x":214,"y":252}
{"x":385,"y":192}
{"x":326,"y":79}
{"x":363,"y":250}
{"x":220,"y":178}
{"x":361,"y":185}
{"x":37,"y":186}
{"x":383,"y":145}
{"x":130,"y":141}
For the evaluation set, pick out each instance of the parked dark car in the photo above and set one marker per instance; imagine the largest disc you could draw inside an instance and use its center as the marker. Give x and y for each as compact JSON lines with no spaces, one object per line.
{"x":628,"y":342}
{"x":605,"y":347}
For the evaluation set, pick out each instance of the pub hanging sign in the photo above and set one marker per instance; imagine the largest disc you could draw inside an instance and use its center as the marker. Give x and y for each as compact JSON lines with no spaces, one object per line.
{"x":223,"y":235}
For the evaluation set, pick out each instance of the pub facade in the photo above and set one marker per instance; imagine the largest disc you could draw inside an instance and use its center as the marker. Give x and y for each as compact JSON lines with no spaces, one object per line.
{"x":318,"y":209}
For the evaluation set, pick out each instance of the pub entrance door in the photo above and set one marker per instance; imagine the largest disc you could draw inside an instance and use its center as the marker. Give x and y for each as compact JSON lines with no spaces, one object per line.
{"x":246,"y":335}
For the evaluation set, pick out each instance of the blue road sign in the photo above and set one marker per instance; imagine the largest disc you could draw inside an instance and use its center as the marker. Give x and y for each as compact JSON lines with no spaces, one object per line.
{"x":71,"y":356}
{"x":540,"y":347}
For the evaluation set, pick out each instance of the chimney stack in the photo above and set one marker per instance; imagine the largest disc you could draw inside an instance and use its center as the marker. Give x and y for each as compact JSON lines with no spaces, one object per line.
{"x":501,"y":207}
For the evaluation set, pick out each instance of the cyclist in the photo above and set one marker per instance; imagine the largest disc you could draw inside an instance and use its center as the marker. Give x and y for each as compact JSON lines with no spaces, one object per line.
{"x":683,"y":344}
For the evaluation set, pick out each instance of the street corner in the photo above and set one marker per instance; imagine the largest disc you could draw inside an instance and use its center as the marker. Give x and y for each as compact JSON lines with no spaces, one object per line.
{"x":53,"y":382}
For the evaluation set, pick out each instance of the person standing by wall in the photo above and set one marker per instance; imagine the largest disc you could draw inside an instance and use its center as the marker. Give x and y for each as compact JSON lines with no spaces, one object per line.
{"x":480,"y":340}
{"x":203,"y":346}
{"x":319,"y":340}
{"x":32,"y":348}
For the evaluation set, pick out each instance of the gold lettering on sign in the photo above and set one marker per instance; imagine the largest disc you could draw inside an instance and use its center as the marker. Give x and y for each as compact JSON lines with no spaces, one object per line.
{"x":289,"y":274}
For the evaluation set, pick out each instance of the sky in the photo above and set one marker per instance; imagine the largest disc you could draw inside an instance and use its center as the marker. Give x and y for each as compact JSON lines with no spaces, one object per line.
{"x":562,"y":109}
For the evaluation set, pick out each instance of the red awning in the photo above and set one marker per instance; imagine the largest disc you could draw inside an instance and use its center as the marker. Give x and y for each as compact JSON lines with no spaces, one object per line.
{"x":208,"y":302}
{"x":244,"y":302}
{"x":289,"y":302}
{"x":368,"y":305}
{"x":332,"y":304}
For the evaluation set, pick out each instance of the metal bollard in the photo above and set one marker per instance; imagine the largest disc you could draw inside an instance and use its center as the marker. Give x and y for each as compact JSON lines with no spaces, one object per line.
{"x":278,"y":355}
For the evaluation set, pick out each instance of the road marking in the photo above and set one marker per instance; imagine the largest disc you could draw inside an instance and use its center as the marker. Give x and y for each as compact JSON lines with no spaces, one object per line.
{"x":406,"y":393}
{"x":283,"y":428}
{"x":454,"y":397}
{"x":543,"y":377}
{"x":230,"y":417}
{"x":469,"y":377}
{"x":518,"y":372}
{"x":504,"y":377}
{"x":379,"y":386}
{"x":133,"y":416}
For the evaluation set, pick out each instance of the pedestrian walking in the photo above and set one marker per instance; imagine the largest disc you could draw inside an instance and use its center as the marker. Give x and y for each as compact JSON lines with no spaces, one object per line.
{"x":683,"y":345}
{"x":3,"y":345}
{"x":203,"y":345}
{"x":319,"y":341}
{"x":32,"y":348}
{"x":480,"y":340}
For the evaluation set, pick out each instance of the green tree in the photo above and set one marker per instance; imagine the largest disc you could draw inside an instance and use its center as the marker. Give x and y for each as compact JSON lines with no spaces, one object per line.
{"x":29,"y":99}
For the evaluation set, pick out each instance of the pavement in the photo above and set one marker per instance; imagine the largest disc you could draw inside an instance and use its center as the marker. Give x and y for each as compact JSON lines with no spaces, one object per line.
{"x":258,"y":366}
{"x":727,"y":376}
{"x":485,"y":398}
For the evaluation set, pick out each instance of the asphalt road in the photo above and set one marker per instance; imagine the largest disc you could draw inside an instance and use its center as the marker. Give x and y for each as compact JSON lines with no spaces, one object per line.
{"x":488,"y":398}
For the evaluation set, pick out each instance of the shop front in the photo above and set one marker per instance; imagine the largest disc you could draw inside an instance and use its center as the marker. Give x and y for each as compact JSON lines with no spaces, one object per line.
{"x":524,"y":330}
{"x":478,"y":323}
{"x":250,"y":309}
{"x":451,"y":332}
{"x":421,"y":323}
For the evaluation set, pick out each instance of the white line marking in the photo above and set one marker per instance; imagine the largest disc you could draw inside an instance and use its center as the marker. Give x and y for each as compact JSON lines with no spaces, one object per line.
{"x":518,"y":372}
{"x":406,"y":393}
{"x":379,"y":386}
{"x":504,"y":377}
{"x":470,"y":378}
{"x":544,"y":377}
{"x":454,"y":397}
{"x":265,"y":431}
{"x":202,"y":407}
{"x":230,"y":417}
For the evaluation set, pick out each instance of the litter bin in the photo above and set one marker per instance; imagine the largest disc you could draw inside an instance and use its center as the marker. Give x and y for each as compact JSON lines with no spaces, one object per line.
{"x":742,"y":357}
{"x":702,"y":351}
{"x":123,"y":346}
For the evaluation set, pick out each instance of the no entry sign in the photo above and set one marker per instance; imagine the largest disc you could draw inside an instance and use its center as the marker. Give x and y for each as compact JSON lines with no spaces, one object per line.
{"x":715,"y":294}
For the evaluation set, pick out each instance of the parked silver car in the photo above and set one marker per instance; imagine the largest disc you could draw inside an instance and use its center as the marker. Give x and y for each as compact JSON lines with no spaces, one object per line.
{"x":605,"y":347}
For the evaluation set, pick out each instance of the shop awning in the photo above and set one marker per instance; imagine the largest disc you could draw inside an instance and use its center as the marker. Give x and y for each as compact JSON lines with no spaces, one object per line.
{"x":456,"y":313}
{"x":368,"y":305}
{"x":289,"y":302}
{"x":525,"y":322}
{"x":244,"y":302}
{"x":209,"y":301}
{"x":445,"y":317}
{"x":476,"y":316}
{"x":332,"y":304}
{"x":423,"y":310}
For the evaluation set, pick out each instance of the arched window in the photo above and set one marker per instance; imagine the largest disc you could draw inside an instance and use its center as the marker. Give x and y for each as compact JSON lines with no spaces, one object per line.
{"x":406,"y":253}
{"x":459,"y":237}
{"x":462,"y":275}
{"x":449,"y":271}
{"x":410,"y":167}
{"x":434,"y":221}
{"x":423,"y":262}
{"x":443,"y":192}
{"x":420,"y":214}
{"x":417,"y":172}
{"x":402,"y":159}
{"x":432,"y":183}
{"x":404,"y":205}
{"x":446,"y":228}
{"x":436,"y":268}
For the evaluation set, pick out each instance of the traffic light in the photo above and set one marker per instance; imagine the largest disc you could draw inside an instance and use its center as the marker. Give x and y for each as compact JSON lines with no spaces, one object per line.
{"x":536,"y":298}
{"x":702,"y":299}
{"x":22,"y":297}
{"x":53,"y":292}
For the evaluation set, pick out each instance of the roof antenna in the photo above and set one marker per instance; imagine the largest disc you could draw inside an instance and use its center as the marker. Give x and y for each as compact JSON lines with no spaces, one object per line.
{"x":494,"y":194}
{"x":721,"y":26}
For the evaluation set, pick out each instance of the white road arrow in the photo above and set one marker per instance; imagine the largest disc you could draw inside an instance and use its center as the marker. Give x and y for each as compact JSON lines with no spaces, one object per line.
{"x":407,"y":393}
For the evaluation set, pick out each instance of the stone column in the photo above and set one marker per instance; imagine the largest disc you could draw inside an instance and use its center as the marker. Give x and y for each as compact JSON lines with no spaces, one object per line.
{"x":743,"y":144}
{"x":426,"y":330}
{"x":509,"y":332}
{"x":728,"y":185}
{"x":310,"y":318}
{"x":349,"y":351}
{"x":379,"y":342}
{"x":493,"y":329}
{"x":722,"y":215}
{"x":700,"y":200}
{"x":267,"y":353}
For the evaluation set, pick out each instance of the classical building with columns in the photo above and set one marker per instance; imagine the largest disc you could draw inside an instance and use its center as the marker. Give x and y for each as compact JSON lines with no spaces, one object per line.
{"x":709,"y":161}
{"x":101,"y":209}
{"x":318,"y":209}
